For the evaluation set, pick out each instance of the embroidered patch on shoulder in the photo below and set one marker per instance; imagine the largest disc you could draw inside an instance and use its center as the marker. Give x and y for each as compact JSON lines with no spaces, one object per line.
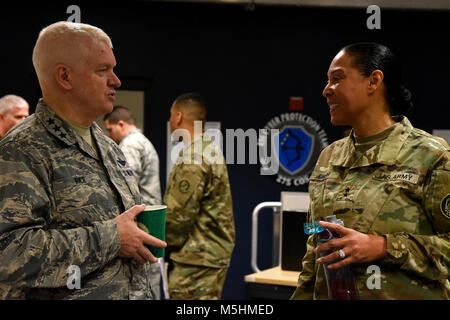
{"x":184,"y":186}
{"x":445,"y":206}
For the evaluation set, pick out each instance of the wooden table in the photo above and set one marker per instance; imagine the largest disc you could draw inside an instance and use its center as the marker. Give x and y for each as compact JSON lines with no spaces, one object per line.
{"x":273,"y":283}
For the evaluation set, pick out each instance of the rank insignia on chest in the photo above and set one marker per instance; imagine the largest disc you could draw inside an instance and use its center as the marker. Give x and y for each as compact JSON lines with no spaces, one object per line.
{"x":346,"y":194}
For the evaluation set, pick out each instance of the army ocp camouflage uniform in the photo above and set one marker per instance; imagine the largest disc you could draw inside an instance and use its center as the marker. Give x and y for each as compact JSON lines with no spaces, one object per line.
{"x":58,"y":199}
{"x":400,"y":189}
{"x":199,"y":225}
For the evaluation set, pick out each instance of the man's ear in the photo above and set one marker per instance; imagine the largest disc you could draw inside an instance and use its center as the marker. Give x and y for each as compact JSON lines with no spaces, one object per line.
{"x":121,"y":124}
{"x":63,"y":76}
{"x":375,"y":80}
{"x":179,"y":117}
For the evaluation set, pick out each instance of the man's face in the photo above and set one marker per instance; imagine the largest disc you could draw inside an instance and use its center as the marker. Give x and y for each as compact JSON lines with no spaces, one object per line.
{"x":346,"y":91}
{"x":13,"y":117}
{"x":94,"y":82}
{"x":114,"y":131}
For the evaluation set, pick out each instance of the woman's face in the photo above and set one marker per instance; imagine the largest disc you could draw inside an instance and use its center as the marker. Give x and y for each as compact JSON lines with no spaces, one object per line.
{"x":346,"y":91}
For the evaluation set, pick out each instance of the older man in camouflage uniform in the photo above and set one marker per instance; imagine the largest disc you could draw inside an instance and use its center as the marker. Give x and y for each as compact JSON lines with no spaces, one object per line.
{"x":64,"y":186}
{"x":144,"y":161}
{"x":13,"y":109}
{"x":200,"y":225}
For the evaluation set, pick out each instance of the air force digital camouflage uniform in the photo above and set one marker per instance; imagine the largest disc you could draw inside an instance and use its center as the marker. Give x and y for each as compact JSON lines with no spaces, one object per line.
{"x":143,"y":160}
{"x":200,"y":226}
{"x":399,"y":189}
{"x":58,"y":199}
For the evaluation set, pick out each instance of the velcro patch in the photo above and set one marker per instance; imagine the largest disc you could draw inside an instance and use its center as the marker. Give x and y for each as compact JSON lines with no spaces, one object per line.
{"x":396,"y":176}
{"x":445,"y":206}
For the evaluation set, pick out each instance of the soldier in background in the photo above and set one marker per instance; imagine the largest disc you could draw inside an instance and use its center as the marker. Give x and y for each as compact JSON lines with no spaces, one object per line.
{"x":200,"y":226}
{"x":67,"y":198}
{"x":143,"y":160}
{"x":388,"y":181}
{"x":13,"y":109}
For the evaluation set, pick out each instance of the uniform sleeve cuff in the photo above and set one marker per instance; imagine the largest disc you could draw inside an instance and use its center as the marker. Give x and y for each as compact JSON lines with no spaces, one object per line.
{"x":396,"y":249}
{"x":109,"y":240}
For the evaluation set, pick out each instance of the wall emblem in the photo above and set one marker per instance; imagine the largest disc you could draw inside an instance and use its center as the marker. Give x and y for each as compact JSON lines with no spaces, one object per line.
{"x":296,"y":147}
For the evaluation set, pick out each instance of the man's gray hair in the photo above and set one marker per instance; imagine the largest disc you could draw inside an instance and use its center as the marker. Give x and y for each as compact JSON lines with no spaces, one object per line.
{"x":9,"y":101}
{"x":57,"y":42}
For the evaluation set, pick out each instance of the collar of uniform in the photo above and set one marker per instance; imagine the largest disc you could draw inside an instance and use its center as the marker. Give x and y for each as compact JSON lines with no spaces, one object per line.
{"x":344,"y":154}
{"x":190,"y":149}
{"x":103,"y":143}
{"x":61,"y":130}
{"x":191,"y":142}
{"x":55,"y":124}
{"x":135,"y":130}
{"x":199,"y":137}
{"x":132,"y":132}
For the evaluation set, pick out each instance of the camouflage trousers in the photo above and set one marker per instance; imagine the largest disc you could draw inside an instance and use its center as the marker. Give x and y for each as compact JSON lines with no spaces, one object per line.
{"x":188,"y":282}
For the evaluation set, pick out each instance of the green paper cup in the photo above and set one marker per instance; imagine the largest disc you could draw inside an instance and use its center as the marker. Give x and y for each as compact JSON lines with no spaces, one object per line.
{"x":153,"y":221}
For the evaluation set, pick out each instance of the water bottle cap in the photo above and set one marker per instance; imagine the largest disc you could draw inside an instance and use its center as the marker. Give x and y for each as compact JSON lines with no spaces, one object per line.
{"x":333,"y":219}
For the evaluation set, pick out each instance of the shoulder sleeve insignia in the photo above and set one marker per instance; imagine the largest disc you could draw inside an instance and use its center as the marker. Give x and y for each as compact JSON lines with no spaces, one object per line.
{"x":184,"y":186}
{"x":445,"y":206}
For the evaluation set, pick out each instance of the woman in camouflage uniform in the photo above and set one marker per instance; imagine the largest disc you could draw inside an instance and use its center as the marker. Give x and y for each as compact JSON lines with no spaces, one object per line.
{"x":388,"y":181}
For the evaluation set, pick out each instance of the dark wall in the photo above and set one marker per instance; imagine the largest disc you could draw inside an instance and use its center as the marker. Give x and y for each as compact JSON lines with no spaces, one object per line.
{"x":247,"y":64}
